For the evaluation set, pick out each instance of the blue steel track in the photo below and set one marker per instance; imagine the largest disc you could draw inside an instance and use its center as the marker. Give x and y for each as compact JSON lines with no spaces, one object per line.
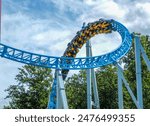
{"x":66,"y":63}
{"x":74,"y":63}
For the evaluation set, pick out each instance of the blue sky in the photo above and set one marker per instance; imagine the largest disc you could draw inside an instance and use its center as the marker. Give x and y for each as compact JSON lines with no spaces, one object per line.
{"x":46,"y":26}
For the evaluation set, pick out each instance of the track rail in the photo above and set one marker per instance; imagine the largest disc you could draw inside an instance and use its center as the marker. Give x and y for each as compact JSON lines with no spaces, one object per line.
{"x":66,"y":62}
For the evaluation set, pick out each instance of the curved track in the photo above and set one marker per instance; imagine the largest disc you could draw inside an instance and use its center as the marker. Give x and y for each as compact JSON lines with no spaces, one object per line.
{"x":68,"y":60}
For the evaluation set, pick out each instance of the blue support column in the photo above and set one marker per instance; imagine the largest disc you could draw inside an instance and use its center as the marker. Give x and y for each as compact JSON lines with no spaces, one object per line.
{"x":94,"y":82}
{"x":52,"y":95}
{"x":120,"y":93}
{"x":58,"y":97}
{"x":61,"y":94}
{"x":120,"y":89}
{"x":145,"y":57}
{"x":138,"y":70}
{"x":88,"y":76}
{"x":95,"y":90}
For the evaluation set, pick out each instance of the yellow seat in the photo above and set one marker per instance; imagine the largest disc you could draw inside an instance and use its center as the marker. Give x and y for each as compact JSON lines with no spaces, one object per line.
{"x":107,"y":31}
{"x":80,"y":38}
{"x":104,"y":25}
{"x":72,"y":49}
{"x":82,"y":34}
{"x":87,"y":31}
{"x":75,"y":43}
{"x":69,"y":54}
{"x":80,"y":45}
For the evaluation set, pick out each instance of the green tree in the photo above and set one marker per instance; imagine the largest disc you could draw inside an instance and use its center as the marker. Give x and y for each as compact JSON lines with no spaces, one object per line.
{"x":32,"y":90}
{"x":107,"y":88}
{"x":76,"y":90}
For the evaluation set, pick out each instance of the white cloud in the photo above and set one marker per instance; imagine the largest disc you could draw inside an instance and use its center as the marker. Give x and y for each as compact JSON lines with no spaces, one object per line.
{"x":91,"y":2}
{"x":110,"y":9}
{"x":21,"y":31}
{"x":96,"y":9}
{"x":69,"y":5}
{"x":50,"y":36}
{"x":145,"y":7}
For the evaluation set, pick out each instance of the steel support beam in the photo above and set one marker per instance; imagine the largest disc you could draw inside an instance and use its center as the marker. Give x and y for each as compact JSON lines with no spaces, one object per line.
{"x":91,"y":81}
{"x":145,"y":57}
{"x":94,"y":82}
{"x":58,"y":96}
{"x":52,"y":96}
{"x":120,"y":89}
{"x":138,"y":70}
{"x":88,"y":78}
{"x":61,"y":94}
{"x":95,"y":90}
{"x":122,"y":78}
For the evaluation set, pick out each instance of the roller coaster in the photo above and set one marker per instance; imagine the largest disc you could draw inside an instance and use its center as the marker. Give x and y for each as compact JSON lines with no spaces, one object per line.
{"x":68,"y":61}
